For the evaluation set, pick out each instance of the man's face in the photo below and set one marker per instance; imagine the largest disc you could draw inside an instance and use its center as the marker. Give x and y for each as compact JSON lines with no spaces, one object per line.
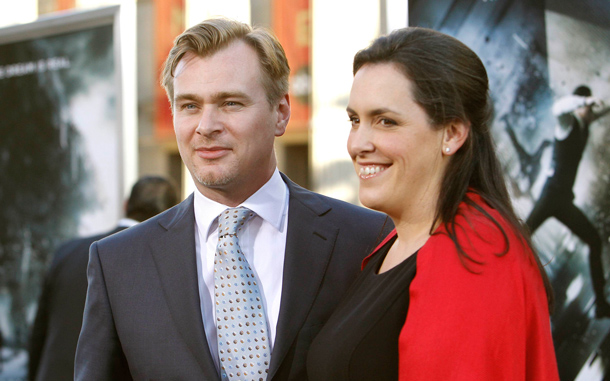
{"x":224,"y":125}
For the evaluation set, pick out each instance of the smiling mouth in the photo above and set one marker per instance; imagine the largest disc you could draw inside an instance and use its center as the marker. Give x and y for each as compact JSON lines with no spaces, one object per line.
{"x":370,"y":171}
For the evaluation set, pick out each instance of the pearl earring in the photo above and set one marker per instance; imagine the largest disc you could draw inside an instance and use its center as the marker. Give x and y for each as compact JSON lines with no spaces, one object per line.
{"x":447,"y":149}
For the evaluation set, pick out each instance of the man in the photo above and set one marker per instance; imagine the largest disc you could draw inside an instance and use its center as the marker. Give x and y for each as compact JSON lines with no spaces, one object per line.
{"x":155,"y":309}
{"x":574,"y":113}
{"x":60,"y":308}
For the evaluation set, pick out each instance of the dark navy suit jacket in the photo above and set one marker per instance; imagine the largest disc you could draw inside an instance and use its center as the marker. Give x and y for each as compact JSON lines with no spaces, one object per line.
{"x":143,"y":318}
{"x":60,"y":311}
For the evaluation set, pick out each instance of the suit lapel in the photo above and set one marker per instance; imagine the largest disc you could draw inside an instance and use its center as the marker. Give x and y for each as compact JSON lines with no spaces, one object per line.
{"x":309,"y":244}
{"x":174,"y":255}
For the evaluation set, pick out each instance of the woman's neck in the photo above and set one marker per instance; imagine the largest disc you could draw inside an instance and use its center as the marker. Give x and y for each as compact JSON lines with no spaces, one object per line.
{"x":413,"y":230}
{"x":415,"y":216}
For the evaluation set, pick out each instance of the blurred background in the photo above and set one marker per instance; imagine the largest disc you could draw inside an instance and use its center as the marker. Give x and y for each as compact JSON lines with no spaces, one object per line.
{"x":82,"y":116}
{"x":312,"y":152}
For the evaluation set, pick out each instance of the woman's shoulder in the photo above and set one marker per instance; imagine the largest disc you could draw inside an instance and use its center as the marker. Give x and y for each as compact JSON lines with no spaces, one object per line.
{"x":494,"y":303}
{"x":488,"y":245}
{"x":477,"y":218}
{"x":497,"y":282}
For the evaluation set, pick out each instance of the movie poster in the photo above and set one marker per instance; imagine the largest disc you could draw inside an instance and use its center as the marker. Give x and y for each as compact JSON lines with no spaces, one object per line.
{"x":60,"y":163}
{"x":550,"y":81}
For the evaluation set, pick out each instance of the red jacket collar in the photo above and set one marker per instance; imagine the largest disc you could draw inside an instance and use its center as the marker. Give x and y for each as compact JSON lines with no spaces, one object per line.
{"x":471,"y":194}
{"x":385,"y":240}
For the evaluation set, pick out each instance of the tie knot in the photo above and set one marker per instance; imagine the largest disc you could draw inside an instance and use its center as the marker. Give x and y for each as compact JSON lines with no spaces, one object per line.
{"x":232,"y":220}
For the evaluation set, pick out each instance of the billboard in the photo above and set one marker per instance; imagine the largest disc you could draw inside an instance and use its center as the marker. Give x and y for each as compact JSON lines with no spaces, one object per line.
{"x":61,"y":154}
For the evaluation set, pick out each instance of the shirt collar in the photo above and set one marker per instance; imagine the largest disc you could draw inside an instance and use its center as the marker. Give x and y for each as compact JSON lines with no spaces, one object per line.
{"x":269,"y":203}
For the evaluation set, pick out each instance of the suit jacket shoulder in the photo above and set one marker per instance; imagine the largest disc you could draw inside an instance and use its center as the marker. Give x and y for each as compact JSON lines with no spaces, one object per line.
{"x":143,"y":303}
{"x":347,"y":215}
{"x":139,"y":235}
{"x":325,"y":244}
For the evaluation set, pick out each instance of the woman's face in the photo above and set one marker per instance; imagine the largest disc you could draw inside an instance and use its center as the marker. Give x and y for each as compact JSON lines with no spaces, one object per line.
{"x":396,"y":152}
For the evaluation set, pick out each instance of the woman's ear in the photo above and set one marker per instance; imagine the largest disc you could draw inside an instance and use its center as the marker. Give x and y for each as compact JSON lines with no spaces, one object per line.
{"x":454,"y":135}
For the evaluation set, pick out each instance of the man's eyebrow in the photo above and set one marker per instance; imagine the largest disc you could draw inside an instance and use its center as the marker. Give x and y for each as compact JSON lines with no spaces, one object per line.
{"x":187,"y":97}
{"x":214,"y":98}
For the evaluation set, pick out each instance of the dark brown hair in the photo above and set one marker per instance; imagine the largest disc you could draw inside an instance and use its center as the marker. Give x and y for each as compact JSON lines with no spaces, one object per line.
{"x":450,"y":83}
{"x":149,"y":196}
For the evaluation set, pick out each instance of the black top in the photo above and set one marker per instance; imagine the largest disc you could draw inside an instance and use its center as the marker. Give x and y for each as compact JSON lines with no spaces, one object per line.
{"x":360,"y":340}
{"x":567,"y":154}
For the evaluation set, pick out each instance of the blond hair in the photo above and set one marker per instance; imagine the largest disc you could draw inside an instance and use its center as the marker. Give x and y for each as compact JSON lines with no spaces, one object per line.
{"x":210,"y":36}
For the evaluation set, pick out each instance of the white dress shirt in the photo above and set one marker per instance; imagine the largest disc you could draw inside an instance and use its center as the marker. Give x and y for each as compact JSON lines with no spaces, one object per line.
{"x":263,"y":242}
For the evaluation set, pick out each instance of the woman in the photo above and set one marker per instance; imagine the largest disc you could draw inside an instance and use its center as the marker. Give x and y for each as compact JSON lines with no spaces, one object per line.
{"x":455,"y":292}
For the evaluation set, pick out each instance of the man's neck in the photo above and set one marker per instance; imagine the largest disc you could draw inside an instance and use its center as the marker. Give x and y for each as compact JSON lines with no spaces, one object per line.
{"x":234,"y":195}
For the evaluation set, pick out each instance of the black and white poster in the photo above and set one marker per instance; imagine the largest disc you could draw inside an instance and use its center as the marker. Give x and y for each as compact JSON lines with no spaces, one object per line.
{"x":550,"y":81}
{"x":60,"y":156}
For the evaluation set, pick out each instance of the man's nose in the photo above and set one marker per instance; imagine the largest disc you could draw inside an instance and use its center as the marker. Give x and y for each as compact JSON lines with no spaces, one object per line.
{"x":210,"y":121}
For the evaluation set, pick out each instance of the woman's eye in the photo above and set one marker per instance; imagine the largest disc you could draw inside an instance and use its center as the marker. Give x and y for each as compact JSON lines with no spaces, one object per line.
{"x":387,"y":122}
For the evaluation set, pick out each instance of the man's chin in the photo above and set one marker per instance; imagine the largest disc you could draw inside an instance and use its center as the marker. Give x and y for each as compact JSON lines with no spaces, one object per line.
{"x":214,"y":180}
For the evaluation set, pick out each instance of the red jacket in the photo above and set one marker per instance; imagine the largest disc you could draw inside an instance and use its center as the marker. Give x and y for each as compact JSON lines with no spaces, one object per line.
{"x":490,"y":323}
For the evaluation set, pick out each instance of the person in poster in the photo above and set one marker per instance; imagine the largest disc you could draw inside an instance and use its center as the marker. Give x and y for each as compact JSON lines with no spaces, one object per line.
{"x":574,"y":113}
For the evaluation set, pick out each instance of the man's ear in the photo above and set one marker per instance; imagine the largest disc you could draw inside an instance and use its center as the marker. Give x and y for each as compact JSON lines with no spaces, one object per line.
{"x":455,"y":134}
{"x":283,"y":115}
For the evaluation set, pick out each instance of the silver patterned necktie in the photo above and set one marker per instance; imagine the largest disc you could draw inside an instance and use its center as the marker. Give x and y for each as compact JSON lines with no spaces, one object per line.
{"x":243,"y":341}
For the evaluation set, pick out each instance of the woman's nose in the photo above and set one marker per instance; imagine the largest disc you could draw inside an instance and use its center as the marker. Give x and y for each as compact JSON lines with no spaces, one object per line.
{"x":360,"y":141}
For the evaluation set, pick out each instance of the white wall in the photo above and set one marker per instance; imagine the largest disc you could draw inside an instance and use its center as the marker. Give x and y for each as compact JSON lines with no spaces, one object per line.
{"x":17,"y":12}
{"x":339,"y":29}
